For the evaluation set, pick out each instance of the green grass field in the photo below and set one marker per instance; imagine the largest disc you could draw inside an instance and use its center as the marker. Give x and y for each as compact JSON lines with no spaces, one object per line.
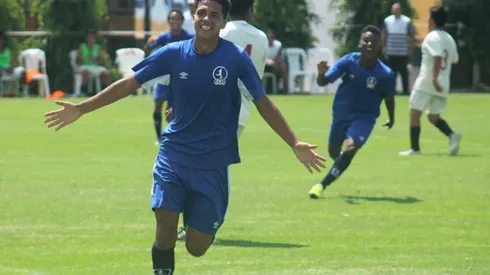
{"x":77,"y":201}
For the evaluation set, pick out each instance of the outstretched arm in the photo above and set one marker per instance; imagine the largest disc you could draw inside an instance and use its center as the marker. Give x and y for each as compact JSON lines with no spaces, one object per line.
{"x":116,"y":91}
{"x":330,"y":75}
{"x":271,"y":114}
{"x":152,"y":70}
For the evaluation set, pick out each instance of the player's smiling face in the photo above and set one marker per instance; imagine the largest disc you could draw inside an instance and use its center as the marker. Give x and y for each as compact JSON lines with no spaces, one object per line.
{"x":208,"y":19}
{"x":370,"y":44}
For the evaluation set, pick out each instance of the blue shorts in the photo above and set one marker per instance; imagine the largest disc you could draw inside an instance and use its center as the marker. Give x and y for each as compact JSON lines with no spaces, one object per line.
{"x":201,"y":194}
{"x":357,"y":129}
{"x":162,"y":92}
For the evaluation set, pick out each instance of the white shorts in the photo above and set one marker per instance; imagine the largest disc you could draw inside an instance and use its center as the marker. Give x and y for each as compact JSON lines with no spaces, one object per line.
{"x":426,"y":102}
{"x":93,"y":69}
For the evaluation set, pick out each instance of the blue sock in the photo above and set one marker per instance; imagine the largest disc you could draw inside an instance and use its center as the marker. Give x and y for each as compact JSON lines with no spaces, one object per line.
{"x":163,"y":261}
{"x":339,"y":166}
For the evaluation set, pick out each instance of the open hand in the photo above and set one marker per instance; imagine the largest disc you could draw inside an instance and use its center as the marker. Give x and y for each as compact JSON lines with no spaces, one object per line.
{"x":168,"y":115}
{"x":389,"y":124}
{"x":305,"y":154}
{"x":64,"y":116}
{"x":322,"y":67}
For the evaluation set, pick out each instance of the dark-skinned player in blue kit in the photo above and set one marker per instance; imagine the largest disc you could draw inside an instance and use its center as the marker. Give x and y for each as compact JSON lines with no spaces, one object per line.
{"x":161,"y":93}
{"x":191,"y":170}
{"x":366,"y":82}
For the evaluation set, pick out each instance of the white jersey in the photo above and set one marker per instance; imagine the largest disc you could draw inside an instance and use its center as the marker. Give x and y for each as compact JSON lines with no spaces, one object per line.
{"x":255,"y":42}
{"x":437,"y":43}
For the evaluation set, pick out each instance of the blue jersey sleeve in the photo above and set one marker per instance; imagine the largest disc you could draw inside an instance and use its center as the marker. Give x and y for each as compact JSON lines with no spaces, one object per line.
{"x":249,"y":76}
{"x":338,"y":69}
{"x":156,"y":68}
{"x":162,"y":41}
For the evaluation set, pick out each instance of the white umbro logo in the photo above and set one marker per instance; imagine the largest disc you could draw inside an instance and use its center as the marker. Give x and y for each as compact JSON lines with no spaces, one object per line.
{"x":183,"y":75}
{"x":216,"y":225}
{"x":351,"y":76}
{"x":361,"y":138}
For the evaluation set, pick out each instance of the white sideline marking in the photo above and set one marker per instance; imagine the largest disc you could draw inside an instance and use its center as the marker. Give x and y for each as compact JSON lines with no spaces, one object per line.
{"x":20,"y":270}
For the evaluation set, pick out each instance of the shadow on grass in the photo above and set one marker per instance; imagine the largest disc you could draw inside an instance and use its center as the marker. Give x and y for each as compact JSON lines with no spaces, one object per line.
{"x":255,"y":244}
{"x":357,"y":199}
{"x":448,"y":155}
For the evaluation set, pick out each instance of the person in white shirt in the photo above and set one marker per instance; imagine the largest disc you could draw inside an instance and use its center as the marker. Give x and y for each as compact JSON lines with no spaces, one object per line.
{"x":188,"y":25}
{"x":431,"y":89}
{"x":275,"y":63}
{"x":254,"y":41}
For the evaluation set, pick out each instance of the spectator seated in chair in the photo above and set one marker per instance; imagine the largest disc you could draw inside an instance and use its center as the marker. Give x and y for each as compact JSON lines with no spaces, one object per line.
{"x":91,"y":62}
{"x":275,"y":63}
{"x":8,"y":61}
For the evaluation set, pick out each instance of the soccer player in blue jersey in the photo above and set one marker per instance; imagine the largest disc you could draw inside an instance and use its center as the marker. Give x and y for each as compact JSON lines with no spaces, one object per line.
{"x":201,"y":141}
{"x":366,"y":82}
{"x":161,"y":93}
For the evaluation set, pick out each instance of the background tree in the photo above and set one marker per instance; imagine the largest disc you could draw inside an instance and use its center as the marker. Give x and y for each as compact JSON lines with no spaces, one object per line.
{"x":291,"y":21}
{"x":70,"y":21}
{"x":474,"y":37}
{"x":353,"y":15}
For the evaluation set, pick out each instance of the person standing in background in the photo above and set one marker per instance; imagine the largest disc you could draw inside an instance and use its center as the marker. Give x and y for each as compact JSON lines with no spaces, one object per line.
{"x":398,"y":43}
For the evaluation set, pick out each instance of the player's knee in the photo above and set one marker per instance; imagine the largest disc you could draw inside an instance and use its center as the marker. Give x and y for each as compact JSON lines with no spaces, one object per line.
{"x":433,"y":118}
{"x":196,"y":250}
{"x":334,"y":152}
{"x":351,"y":149}
{"x":197,"y":242}
{"x":166,"y":229}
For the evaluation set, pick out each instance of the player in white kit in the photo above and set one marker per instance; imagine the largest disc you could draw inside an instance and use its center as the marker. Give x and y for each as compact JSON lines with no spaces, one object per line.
{"x":254,"y":41}
{"x":431,"y":89}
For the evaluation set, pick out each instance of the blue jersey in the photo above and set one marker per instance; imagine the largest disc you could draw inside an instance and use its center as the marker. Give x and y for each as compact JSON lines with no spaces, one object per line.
{"x":206,"y":100}
{"x":167,"y":37}
{"x":362,"y":89}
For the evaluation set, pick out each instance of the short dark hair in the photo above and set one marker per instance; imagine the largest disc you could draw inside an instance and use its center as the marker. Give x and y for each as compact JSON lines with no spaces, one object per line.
{"x":241,"y":7}
{"x":179,"y":12}
{"x":225,"y":6}
{"x":439,"y":14}
{"x":371,"y":28}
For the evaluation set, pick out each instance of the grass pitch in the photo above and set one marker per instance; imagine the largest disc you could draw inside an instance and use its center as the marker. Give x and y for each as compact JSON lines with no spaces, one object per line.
{"x":77,"y":201}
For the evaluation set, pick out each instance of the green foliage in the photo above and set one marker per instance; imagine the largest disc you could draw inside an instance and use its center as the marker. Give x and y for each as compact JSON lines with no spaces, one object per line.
{"x":476,"y":34}
{"x":292,"y":22}
{"x":13,"y":16}
{"x":69,"y":21}
{"x":353,"y":15}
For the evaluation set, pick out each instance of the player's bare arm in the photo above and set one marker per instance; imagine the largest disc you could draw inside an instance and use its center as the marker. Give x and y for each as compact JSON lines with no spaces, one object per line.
{"x":390,"y":107}
{"x":322,"y":68}
{"x":71,"y":112}
{"x":435,"y":73}
{"x":271,"y":114}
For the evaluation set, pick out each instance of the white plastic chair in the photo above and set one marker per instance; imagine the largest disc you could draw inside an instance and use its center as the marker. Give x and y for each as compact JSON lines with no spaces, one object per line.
{"x":77,"y":76}
{"x":127,"y":58}
{"x":273,"y":79}
{"x":315,"y":55}
{"x":35,"y":60}
{"x":296,"y":59}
